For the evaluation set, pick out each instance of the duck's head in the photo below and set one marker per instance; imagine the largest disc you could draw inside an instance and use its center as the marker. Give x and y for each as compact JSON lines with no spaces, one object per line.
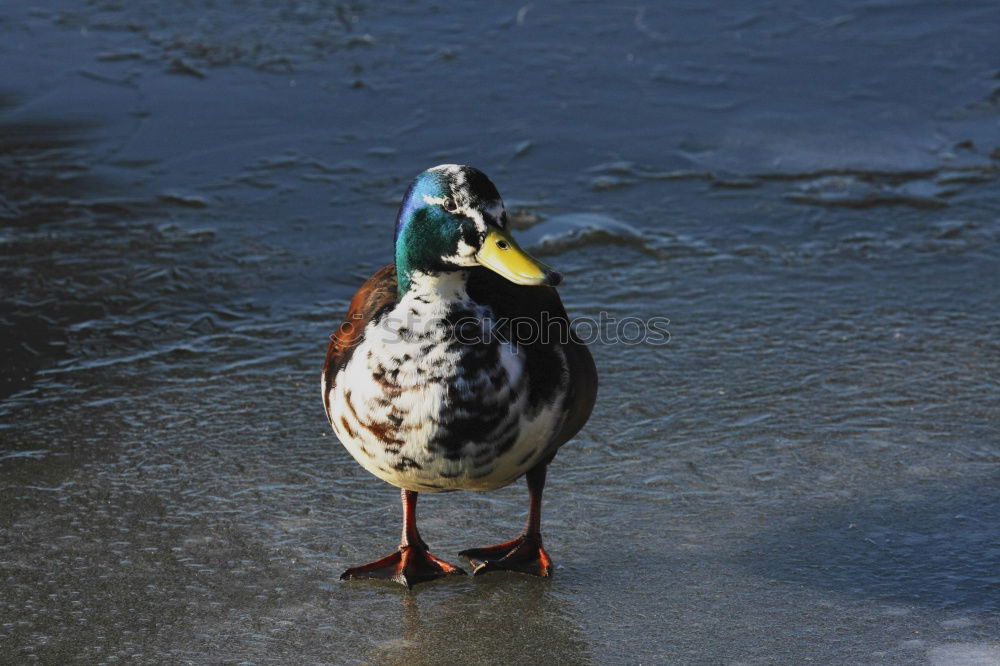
{"x":452,"y":218}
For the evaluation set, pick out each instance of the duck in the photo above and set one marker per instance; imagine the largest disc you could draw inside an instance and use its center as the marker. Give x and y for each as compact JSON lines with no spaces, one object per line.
{"x":456,"y":368}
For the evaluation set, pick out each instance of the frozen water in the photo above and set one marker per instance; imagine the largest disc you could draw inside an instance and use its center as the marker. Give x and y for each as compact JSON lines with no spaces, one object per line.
{"x":806,"y":472}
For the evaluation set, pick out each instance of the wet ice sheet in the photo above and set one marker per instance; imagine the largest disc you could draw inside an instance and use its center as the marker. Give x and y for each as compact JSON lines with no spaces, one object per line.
{"x":805,"y":471}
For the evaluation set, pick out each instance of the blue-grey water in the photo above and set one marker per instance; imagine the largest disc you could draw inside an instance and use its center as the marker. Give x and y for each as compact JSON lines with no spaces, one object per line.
{"x":806,"y":473}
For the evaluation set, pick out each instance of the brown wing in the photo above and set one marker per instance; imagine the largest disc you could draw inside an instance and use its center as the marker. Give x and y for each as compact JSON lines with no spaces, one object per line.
{"x":543,"y":306}
{"x":376,"y":293}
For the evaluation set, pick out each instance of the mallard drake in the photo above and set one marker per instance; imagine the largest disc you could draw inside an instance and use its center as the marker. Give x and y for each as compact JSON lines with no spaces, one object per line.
{"x":456,"y":369}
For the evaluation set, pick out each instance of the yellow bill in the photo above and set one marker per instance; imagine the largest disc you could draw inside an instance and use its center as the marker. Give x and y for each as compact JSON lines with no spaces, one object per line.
{"x":501,"y":254}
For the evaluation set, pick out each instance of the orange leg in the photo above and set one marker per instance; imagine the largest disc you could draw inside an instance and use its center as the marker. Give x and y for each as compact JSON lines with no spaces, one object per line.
{"x":525,"y":553}
{"x":411,"y":563}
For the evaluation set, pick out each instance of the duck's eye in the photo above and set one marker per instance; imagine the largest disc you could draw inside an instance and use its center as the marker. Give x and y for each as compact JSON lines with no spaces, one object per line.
{"x":449,"y":205}
{"x":502,"y":244}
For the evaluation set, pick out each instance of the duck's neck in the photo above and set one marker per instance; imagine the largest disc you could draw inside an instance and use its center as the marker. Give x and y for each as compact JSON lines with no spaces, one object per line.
{"x":433,"y":286}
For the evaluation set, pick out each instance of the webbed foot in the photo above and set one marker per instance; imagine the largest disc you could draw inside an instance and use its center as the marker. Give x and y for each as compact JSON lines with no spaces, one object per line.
{"x":524,"y":554}
{"x":407,"y":566}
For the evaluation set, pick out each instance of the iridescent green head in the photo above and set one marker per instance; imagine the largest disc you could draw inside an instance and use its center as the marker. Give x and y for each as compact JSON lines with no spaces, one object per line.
{"x":453,"y":218}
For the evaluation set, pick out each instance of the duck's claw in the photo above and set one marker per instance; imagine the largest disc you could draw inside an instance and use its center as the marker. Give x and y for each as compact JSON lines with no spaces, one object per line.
{"x":407,"y":566}
{"x":524,"y":554}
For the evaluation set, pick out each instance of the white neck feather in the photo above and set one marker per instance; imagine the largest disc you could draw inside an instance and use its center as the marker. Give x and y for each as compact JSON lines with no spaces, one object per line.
{"x":440,"y":286}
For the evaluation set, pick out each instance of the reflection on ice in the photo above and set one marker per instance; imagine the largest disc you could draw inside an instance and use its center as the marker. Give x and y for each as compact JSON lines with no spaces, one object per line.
{"x":965,"y":654}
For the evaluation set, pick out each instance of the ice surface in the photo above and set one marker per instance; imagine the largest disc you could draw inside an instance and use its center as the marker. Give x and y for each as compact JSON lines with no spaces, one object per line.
{"x":807,"y":472}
